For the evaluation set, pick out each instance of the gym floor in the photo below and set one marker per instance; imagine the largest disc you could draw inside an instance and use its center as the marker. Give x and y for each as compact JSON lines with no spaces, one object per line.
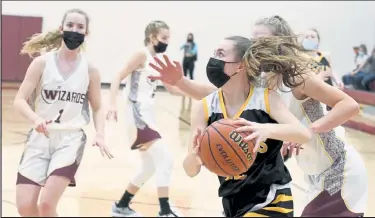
{"x":100,"y":181}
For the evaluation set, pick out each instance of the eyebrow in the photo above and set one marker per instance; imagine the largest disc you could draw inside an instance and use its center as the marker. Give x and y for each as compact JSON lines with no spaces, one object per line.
{"x":70,"y":22}
{"x":220,"y":49}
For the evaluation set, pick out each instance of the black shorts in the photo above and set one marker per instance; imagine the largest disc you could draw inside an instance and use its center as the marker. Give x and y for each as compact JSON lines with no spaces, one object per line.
{"x":240,"y":206}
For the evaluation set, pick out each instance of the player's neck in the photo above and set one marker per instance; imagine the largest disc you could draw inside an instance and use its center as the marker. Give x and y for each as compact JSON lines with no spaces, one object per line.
{"x":237,"y":94}
{"x":67,"y":54}
{"x":151,"y":49}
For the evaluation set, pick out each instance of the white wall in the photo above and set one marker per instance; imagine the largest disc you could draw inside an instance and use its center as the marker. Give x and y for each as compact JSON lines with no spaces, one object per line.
{"x":117,"y":27}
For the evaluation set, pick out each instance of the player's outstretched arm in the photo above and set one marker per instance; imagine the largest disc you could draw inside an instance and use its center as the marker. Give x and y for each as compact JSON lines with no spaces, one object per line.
{"x":192,"y":163}
{"x":172,"y":74}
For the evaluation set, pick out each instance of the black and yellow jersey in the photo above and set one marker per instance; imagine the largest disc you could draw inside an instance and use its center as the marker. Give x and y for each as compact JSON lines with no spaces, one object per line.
{"x":323,"y":65}
{"x":248,"y":189}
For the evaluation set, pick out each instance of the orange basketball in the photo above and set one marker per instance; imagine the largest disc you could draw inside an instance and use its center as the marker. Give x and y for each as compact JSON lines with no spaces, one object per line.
{"x":223,"y":151}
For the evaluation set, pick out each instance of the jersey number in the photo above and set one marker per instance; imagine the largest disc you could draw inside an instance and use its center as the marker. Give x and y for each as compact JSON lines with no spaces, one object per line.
{"x":263,"y":148}
{"x":58,"y":118}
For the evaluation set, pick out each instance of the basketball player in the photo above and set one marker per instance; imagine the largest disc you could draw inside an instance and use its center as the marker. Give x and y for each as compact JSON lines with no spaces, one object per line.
{"x":265,"y":188}
{"x":326,"y":158}
{"x":310,"y":43}
{"x":154,"y":154}
{"x":64,"y":83}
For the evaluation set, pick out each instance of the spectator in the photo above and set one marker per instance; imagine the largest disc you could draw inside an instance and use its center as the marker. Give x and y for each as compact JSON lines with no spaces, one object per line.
{"x":361,"y":57}
{"x":364,"y":81}
{"x":190,"y":56}
{"x":360,"y":77}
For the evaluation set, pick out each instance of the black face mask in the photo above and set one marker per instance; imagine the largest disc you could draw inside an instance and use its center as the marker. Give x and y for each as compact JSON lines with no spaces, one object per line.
{"x":72,"y":39}
{"x":160,"y":47}
{"x":215,"y":72}
{"x":189,"y":40}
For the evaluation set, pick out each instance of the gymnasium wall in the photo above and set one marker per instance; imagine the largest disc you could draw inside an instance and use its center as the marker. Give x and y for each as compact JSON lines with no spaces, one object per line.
{"x":117,"y":28}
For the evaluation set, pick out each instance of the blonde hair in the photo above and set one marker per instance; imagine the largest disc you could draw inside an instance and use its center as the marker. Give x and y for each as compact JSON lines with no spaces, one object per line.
{"x":278,"y":27}
{"x":45,"y":42}
{"x":153,"y":29}
{"x":280,"y":59}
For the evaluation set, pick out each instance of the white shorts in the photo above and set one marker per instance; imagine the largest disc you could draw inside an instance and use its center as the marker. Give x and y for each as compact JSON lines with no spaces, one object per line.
{"x":60,"y":154}
{"x":140,"y":124}
{"x":339,"y":194}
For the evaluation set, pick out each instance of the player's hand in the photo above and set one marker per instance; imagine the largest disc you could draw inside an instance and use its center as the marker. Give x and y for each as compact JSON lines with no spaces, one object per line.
{"x":170,"y":74}
{"x":196,"y":145}
{"x":112,"y":113}
{"x":259,"y":132}
{"x":41,"y":126}
{"x":100,"y":142}
{"x":291,"y":146}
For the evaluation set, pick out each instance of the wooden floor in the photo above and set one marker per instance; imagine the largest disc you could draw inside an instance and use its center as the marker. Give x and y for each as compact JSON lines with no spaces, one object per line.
{"x":102,"y":181}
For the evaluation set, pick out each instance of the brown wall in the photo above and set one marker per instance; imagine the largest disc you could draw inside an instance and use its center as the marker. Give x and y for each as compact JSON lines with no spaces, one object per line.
{"x":15,"y":30}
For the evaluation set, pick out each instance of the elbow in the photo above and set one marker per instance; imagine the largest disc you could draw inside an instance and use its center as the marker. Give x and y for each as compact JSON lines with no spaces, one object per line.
{"x":17,"y":104}
{"x":353,"y":107}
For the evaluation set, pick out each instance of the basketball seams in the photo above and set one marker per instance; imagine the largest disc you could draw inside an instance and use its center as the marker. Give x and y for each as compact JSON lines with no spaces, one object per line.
{"x":239,"y":157}
{"x":213,"y":157}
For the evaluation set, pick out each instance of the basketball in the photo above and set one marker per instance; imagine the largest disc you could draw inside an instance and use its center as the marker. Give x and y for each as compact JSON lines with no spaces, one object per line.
{"x":223,"y":151}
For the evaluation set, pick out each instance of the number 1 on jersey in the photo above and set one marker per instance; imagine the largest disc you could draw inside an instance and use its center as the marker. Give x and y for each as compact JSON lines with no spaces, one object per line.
{"x":58,"y":118}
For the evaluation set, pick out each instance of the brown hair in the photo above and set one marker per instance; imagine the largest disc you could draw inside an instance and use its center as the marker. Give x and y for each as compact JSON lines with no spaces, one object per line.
{"x":51,"y":40}
{"x":153,"y":29}
{"x":279,"y":58}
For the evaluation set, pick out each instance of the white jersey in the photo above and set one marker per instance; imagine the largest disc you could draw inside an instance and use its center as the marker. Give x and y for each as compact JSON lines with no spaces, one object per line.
{"x":324,"y":149}
{"x":139,"y":87}
{"x":63,"y":100}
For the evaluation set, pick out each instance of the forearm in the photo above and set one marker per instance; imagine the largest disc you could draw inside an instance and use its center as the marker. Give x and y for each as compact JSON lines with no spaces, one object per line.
{"x":339,"y":114}
{"x":99,"y":121}
{"x":191,"y":165}
{"x":296,"y":133}
{"x":194,"y":89}
{"x":115,"y":85}
{"x":24,"y":108}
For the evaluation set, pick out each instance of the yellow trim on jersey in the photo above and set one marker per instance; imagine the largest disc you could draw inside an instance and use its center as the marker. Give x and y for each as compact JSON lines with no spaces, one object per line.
{"x":278,"y":209}
{"x":205,"y":109}
{"x":266,"y":100}
{"x":238,"y":114}
{"x":253,"y":214}
{"x":282,"y":198}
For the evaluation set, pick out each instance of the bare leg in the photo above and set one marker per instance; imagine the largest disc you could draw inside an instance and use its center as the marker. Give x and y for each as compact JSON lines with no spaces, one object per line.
{"x":27,"y":199}
{"x":52,"y":192}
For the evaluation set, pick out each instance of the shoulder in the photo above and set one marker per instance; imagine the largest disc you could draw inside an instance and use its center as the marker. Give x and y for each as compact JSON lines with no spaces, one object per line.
{"x":39,"y":62}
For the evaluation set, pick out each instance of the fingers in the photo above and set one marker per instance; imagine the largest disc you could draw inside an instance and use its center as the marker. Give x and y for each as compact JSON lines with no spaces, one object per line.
{"x":243,"y":122}
{"x":257,"y":145}
{"x":245,"y":129}
{"x":155,"y":77}
{"x":155,"y":67}
{"x":161,"y":64}
{"x":291,"y":149}
{"x":251,"y":136}
{"x":197,"y":138}
{"x":108,"y":153}
{"x":167,"y":61}
{"x":178,"y":65}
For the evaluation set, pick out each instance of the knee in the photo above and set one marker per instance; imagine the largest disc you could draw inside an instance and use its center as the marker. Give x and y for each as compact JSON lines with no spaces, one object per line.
{"x":27,"y":209}
{"x":46,"y":208}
